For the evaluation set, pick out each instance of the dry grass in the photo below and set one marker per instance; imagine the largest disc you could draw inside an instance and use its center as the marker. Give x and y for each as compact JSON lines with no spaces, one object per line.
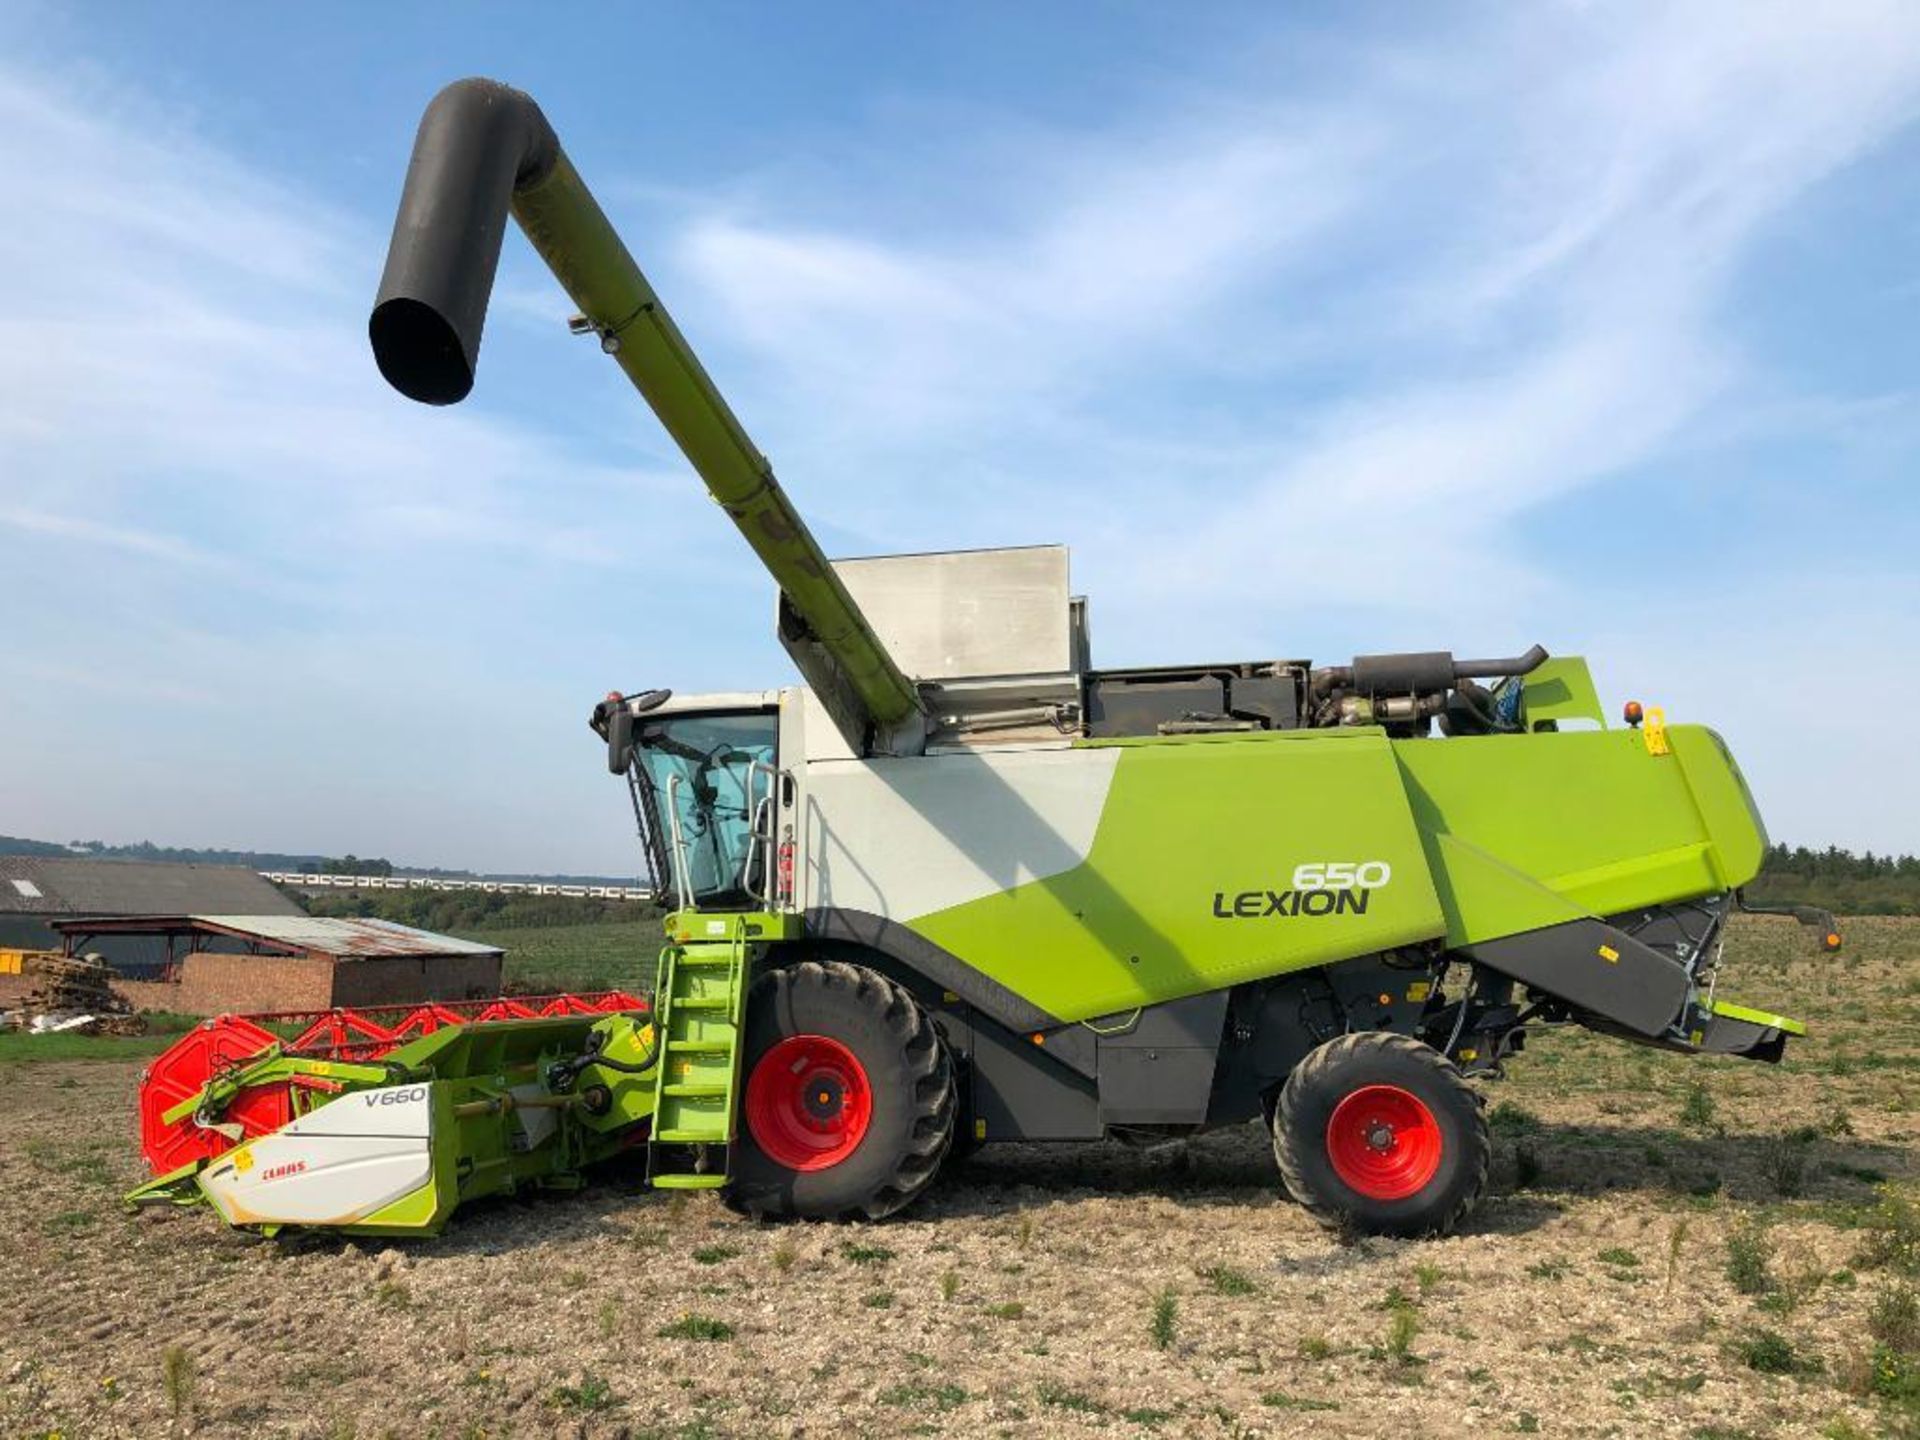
{"x":1057,"y":1291}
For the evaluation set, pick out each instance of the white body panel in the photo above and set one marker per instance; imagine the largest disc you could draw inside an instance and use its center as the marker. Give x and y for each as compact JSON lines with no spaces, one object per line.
{"x":905,"y":838}
{"x":342,"y":1162}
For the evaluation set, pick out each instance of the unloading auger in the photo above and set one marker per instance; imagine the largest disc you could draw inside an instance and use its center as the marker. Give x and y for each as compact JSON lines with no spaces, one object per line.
{"x":962,"y":886}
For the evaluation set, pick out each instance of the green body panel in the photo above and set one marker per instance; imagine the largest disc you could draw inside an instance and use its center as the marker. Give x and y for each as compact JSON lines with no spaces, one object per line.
{"x":1190,"y":882}
{"x":1192,"y":824}
{"x":1525,"y":831}
{"x":1757,"y":1017}
{"x":1559,"y":690}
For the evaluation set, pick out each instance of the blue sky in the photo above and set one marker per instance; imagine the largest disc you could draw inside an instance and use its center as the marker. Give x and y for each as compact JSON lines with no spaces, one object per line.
{"x":1313,"y":330}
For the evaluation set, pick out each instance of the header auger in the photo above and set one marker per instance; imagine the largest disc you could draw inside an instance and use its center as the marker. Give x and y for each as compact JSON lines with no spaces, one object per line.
{"x":963,"y":886}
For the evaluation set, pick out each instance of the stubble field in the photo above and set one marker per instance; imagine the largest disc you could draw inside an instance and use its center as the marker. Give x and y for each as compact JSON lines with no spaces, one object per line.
{"x":1670,"y":1247}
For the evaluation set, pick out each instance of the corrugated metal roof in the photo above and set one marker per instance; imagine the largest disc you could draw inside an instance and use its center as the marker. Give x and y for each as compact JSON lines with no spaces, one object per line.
{"x":345,"y":939}
{"x":57,"y":885}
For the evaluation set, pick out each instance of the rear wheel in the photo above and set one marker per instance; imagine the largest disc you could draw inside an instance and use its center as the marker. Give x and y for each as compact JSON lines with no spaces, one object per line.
{"x":849,"y":1100}
{"x":1381,"y":1132}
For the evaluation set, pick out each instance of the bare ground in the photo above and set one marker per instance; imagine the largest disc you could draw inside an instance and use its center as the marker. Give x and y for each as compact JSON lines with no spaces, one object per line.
{"x":1589,"y":1296}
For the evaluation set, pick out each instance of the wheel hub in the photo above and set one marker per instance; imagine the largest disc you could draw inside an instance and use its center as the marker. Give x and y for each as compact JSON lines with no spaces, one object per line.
{"x":1383,"y":1142}
{"x":808,"y":1102}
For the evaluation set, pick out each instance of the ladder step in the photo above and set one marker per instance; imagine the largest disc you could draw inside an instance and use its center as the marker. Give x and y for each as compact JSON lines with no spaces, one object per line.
{"x":699,"y":1047}
{"x":690,"y":1137}
{"x":689,"y":1182}
{"x":704,"y":960}
{"x":691,"y":1090}
{"x":692,"y":1002}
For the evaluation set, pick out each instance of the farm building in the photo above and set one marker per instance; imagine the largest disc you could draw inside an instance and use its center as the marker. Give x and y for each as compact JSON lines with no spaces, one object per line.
{"x":36,"y":891}
{"x":222,"y":963}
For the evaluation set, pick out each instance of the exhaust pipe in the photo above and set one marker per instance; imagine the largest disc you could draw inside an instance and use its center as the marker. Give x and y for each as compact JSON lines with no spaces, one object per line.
{"x":479,"y":142}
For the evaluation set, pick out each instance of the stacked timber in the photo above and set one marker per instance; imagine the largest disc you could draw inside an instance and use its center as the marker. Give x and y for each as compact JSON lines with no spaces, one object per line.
{"x":73,"y":993}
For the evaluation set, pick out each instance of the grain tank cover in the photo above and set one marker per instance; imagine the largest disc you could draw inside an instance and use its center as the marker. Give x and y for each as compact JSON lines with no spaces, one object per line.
{"x":958,"y":614}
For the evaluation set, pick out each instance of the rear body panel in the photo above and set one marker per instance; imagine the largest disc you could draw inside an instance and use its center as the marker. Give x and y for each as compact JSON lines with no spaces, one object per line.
{"x":1094,"y":877}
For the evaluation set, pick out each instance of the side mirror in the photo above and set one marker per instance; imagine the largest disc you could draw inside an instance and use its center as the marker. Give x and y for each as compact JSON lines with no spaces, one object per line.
{"x":620,"y":739}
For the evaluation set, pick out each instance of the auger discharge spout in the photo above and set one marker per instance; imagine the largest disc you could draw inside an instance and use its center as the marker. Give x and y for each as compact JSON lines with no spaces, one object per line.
{"x":485,"y":151}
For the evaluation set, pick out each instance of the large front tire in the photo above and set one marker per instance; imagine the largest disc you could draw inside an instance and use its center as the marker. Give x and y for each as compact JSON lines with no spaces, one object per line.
{"x":1381,"y":1133}
{"x":848,"y":1096}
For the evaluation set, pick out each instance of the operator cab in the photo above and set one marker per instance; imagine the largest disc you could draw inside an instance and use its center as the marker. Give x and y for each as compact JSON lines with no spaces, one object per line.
{"x":703,"y":774}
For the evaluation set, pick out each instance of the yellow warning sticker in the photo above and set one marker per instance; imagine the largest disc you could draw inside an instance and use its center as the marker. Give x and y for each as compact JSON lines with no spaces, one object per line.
{"x":1654,"y":732}
{"x":1610,"y":955}
{"x":243,"y":1160}
{"x":1419,"y":990}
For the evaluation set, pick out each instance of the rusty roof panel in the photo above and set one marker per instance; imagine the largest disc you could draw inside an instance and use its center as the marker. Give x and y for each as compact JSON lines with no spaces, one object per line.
{"x":345,"y":939}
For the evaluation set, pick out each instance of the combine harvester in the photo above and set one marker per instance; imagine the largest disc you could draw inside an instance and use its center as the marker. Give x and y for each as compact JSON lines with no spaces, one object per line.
{"x":963,"y":887}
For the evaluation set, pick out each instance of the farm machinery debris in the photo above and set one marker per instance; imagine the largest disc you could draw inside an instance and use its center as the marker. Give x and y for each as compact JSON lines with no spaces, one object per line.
{"x":963,"y":886}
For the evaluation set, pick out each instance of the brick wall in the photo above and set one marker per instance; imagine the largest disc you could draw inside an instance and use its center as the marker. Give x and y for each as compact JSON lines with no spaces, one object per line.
{"x":219,"y":984}
{"x":407,"y":980}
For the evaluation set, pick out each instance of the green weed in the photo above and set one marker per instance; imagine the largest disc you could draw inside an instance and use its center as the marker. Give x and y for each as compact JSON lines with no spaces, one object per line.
{"x":176,"y":1380}
{"x":1892,"y":1239}
{"x":1894,"y":1319}
{"x":1225,"y":1280}
{"x":1770,"y":1353}
{"x":1512,"y":1119}
{"x":917,"y":1392}
{"x":1527,"y":1166}
{"x":1749,"y":1259}
{"x":1166,"y":1310}
{"x":1697,"y":1108}
{"x":1784,"y":1163}
{"x":1280,"y":1400}
{"x":1402,"y":1329}
{"x":1061,"y":1398}
{"x":591,"y":1395}
{"x":696,"y":1327}
{"x":1676,"y":1240}
{"x":714,"y":1254}
{"x":865,"y":1254}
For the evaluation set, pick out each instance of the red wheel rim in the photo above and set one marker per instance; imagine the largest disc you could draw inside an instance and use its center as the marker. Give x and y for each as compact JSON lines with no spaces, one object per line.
{"x":808,"y":1103}
{"x":1384,"y":1142}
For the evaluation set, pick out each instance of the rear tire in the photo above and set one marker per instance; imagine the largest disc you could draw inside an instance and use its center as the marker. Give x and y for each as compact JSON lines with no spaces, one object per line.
{"x":848,"y":1096}
{"x":1381,"y":1133}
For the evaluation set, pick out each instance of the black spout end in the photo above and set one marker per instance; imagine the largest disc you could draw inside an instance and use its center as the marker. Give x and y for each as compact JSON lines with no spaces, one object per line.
{"x":419,"y":353}
{"x":479,"y":141}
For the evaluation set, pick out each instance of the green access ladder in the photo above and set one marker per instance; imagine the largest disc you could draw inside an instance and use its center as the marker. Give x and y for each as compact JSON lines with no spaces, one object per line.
{"x":699,"y":1004}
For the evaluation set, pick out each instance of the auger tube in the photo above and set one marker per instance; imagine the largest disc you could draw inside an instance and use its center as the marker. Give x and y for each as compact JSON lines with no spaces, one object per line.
{"x":485,"y":150}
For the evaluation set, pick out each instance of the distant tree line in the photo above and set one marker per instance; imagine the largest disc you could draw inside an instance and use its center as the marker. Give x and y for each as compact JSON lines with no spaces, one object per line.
{"x":271,"y":860}
{"x":1839,"y":880}
{"x":458,"y":912}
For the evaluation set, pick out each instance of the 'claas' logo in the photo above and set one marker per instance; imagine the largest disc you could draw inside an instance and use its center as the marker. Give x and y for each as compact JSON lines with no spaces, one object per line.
{"x":281,"y":1172}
